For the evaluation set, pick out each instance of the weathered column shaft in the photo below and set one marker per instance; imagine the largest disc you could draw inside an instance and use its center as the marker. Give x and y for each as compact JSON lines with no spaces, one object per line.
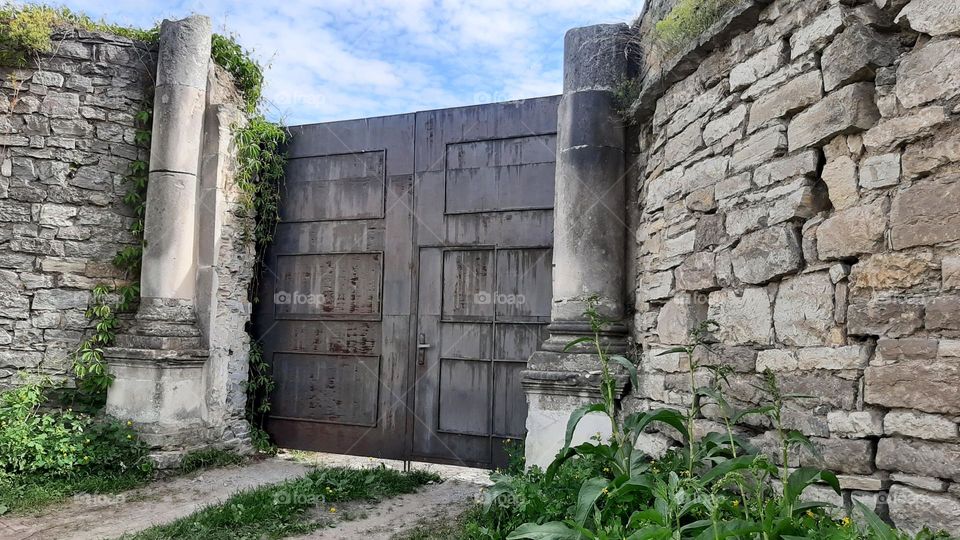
{"x":169,"y":258}
{"x":590,"y":234}
{"x":590,"y":207}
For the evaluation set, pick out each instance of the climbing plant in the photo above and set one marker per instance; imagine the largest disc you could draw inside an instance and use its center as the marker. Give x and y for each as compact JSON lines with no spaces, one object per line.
{"x":260,"y":162}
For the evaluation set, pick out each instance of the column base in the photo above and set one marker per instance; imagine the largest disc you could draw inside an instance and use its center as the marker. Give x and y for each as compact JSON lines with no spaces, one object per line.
{"x":160,"y":384}
{"x":556,"y":384}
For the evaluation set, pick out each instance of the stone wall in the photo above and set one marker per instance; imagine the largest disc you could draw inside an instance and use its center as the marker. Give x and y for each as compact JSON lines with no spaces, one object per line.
{"x":66,"y":142}
{"x":798,"y":181}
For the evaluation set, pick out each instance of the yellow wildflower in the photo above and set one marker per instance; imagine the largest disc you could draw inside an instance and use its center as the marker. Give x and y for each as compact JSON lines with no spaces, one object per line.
{"x":333,"y":510}
{"x":736,"y":503}
{"x":846,"y":521}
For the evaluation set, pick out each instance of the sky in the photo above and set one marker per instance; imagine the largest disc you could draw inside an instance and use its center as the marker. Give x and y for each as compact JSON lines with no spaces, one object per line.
{"x":340,"y":59}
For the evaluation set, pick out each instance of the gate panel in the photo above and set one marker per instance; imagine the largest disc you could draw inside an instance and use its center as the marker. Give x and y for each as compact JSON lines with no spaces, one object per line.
{"x":332,"y":321}
{"x":485,"y":180}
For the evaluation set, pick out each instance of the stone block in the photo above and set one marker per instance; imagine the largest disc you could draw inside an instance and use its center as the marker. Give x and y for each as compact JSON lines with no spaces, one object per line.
{"x":679,"y":316}
{"x":884,"y":316}
{"x":923,"y":157}
{"x":758,"y":66}
{"x":891,"y":132}
{"x":834,"y":358}
{"x":852,"y":231}
{"x":60,"y":299}
{"x":895,"y":270}
{"x":697,"y":272}
{"x":729,"y":124}
{"x":933,"y":17}
{"x":742,"y":220}
{"x":759,"y":148}
{"x":705,"y":173}
{"x":840,"y":176}
{"x":817,"y":33}
{"x":681,"y":147}
{"x":925,"y":214}
{"x":855,"y":424}
{"x":943,"y":313}
{"x":734,"y":185}
{"x":658,"y":358}
{"x":924,"y":458}
{"x":60,"y":105}
{"x":850,"y":109}
{"x":923,"y":482}
{"x":911,"y":510}
{"x":880,"y":171}
{"x":767,"y":254}
{"x":743,"y":318}
{"x":799,"y":199}
{"x":919,"y":425}
{"x":890,"y":351}
{"x":662,"y":187}
{"x":709,"y":231}
{"x":925,"y":385}
{"x":776,"y":360}
{"x":929,"y":73}
{"x":793,"y":96}
{"x":855,"y":55}
{"x":701,"y":200}
{"x":852,"y":456}
{"x":951,"y":272}
{"x":656,"y":285}
{"x":802,"y":164}
{"x":57,"y":215}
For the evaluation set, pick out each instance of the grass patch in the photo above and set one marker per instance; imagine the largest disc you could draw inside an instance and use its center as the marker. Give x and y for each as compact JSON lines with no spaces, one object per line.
{"x":292,"y":507}
{"x":23,"y":494}
{"x":690,"y":18}
{"x":208,"y":459}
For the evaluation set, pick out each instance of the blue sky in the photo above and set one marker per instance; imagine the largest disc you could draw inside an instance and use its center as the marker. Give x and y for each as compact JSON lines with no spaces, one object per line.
{"x":339,"y":59}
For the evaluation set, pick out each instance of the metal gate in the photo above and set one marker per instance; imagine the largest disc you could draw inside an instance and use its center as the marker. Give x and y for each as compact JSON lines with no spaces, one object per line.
{"x":409,"y":280}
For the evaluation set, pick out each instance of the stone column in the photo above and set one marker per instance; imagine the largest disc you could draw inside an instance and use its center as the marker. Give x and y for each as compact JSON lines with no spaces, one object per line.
{"x":590,"y":233}
{"x":169,"y":257}
{"x":158,"y":362}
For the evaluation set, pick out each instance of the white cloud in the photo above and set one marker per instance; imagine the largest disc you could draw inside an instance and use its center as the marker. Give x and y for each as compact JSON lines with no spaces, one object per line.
{"x":337,"y":59}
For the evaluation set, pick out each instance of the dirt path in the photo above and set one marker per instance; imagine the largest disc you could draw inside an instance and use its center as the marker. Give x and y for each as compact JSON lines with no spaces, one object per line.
{"x":392,"y":516}
{"x":109,"y":516}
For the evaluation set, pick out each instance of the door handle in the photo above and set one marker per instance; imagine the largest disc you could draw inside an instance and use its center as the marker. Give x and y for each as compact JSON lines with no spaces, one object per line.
{"x":422,"y":347}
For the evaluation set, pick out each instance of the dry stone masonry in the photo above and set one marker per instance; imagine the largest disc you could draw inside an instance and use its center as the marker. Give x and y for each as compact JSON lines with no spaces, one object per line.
{"x":67,"y":133}
{"x":67,"y":140}
{"x":799,"y":183}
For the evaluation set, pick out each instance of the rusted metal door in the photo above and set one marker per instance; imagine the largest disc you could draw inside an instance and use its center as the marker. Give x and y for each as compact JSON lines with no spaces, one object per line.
{"x":428,"y":238}
{"x":335,"y":301}
{"x":484,"y":232}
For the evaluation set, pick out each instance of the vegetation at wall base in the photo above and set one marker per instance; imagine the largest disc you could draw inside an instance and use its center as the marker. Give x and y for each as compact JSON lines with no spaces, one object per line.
{"x":292,"y":507}
{"x":713,"y":486}
{"x":47,"y":453}
{"x":208,"y":459}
